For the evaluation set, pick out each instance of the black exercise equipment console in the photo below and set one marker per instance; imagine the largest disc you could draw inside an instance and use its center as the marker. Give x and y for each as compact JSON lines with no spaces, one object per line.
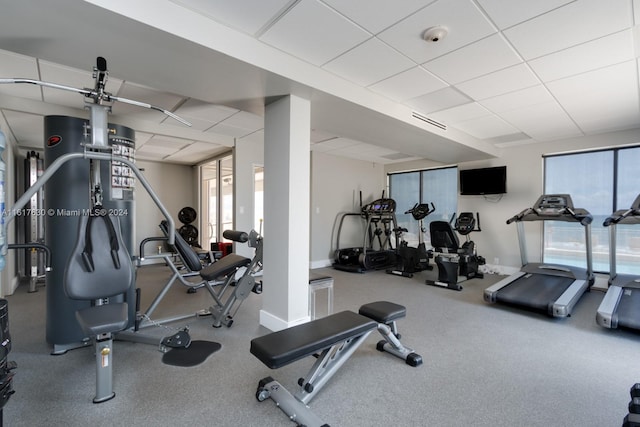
{"x":331,"y":339}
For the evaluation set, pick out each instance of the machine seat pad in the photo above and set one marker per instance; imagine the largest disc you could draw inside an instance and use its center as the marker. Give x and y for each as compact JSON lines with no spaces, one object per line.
{"x":224,"y":266}
{"x":102,"y":319}
{"x":280,"y":348}
{"x":383,"y":311}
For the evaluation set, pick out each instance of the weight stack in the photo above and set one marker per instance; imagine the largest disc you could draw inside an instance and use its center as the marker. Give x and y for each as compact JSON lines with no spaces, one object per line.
{"x":67,"y":197}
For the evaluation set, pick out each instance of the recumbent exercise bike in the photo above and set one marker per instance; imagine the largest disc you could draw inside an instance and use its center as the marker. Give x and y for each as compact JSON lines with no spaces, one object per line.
{"x":456,"y":263}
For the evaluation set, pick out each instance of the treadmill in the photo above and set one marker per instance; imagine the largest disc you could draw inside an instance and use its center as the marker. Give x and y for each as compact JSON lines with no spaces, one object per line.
{"x":549,"y":288}
{"x":620,"y":305}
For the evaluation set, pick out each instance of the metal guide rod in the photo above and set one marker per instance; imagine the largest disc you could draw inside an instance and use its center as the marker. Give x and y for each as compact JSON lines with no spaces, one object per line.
{"x":94,"y":94}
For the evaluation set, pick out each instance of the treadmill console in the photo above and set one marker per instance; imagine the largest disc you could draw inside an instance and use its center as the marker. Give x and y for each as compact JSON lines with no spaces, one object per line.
{"x":553,"y":204}
{"x":380,"y":206}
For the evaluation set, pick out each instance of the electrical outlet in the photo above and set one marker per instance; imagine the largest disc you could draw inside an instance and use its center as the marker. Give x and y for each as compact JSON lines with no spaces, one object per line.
{"x":496,"y":261}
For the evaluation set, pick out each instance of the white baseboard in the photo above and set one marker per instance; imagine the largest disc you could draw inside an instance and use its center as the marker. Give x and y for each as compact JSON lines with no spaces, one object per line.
{"x":320,"y":264}
{"x":274,"y":323}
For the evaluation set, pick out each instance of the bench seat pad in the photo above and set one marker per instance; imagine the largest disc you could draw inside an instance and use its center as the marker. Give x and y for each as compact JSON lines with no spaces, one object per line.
{"x":280,"y":348}
{"x":224,"y":266}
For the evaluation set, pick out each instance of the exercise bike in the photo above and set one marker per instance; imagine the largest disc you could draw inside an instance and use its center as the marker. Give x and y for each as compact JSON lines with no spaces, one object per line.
{"x":411,"y":260}
{"x":456,"y":263}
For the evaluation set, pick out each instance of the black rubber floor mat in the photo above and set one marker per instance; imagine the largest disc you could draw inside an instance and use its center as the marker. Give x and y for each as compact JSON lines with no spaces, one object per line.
{"x":194,"y":355}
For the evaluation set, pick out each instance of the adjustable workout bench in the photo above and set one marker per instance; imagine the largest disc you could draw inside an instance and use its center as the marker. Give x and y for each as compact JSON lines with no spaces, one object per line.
{"x":224,"y":279}
{"x":332,"y":339}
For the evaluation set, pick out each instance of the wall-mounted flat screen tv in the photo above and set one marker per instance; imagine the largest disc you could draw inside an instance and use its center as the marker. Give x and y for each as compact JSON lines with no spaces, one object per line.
{"x":474,"y":182}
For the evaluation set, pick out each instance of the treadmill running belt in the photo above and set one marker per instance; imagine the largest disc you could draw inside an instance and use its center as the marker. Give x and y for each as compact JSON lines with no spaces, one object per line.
{"x":536,"y":291}
{"x":627,"y":311}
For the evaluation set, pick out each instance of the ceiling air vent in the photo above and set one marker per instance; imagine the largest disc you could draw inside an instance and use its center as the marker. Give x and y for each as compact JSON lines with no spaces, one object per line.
{"x":428,"y":120}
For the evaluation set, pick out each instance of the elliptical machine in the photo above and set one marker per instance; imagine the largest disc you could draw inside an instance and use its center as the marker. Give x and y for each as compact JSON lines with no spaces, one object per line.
{"x":411,"y":260}
{"x":456,"y":263}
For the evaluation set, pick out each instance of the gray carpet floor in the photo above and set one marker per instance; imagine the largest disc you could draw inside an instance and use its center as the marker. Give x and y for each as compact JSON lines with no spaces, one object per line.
{"x":484,"y":365}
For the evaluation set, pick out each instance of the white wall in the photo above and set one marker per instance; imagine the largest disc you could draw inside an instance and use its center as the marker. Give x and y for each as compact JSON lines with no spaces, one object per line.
{"x":175,"y":186}
{"x":336,"y":183}
{"x":524,"y":185}
{"x":248,"y":153}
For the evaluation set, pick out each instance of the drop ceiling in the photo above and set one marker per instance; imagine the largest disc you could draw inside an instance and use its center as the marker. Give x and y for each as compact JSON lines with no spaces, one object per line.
{"x":507,"y":73}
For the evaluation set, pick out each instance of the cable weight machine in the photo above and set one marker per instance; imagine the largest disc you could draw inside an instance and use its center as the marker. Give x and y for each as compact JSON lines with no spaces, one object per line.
{"x":97,"y":146}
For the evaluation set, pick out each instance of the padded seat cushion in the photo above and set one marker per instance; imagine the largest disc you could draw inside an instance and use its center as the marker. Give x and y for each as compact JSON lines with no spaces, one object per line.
{"x":224,"y":266}
{"x":383,"y":311}
{"x":283,"y":347}
{"x":102,"y":319}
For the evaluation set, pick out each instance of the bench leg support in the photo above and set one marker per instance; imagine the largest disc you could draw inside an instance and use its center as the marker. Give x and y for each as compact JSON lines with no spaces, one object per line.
{"x":391,"y":344}
{"x":326,"y":365}
{"x":297,"y":411}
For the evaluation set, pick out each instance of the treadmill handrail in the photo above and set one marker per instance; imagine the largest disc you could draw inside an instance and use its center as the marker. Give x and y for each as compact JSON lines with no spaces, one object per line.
{"x":617,"y":217}
{"x":519,"y":216}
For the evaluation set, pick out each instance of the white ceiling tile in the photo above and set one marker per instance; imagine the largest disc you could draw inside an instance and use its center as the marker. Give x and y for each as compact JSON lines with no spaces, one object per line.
{"x":486,"y":127}
{"x":72,"y":77}
{"x":195,"y":151}
{"x":568,"y":26}
{"x":482,"y":57}
{"x":589,"y":56}
{"x":501,"y":82}
{"x":135,"y":92}
{"x":320,"y":136}
{"x":255,"y":137}
{"x":335,"y":144}
{"x":505,"y":13}
{"x":28,"y":128}
{"x":248,"y":16}
{"x":542,"y":121}
{"x":203,"y":115}
{"x":369,"y":63}
{"x":408,"y":84}
{"x":12,"y":66}
{"x":161,"y":142}
{"x":228,"y":129}
{"x":464,"y":21}
{"x":142,"y":138}
{"x":194,"y":108}
{"x":248,"y":121}
{"x":313,"y":24}
{"x":376,"y":15}
{"x":604,"y":99}
{"x":460,"y":113}
{"x":438,"y":100}
{"x":518,"y":99}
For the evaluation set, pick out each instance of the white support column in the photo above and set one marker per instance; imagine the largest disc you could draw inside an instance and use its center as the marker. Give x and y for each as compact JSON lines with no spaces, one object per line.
{"x":287,"y":169}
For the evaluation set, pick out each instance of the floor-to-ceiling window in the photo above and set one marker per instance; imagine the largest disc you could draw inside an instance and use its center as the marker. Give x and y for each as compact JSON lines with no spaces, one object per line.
{"x":216,"y":200}
{"x":433,"y":186}
{"x":258,"y":198}
{"x":601,"y":182}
